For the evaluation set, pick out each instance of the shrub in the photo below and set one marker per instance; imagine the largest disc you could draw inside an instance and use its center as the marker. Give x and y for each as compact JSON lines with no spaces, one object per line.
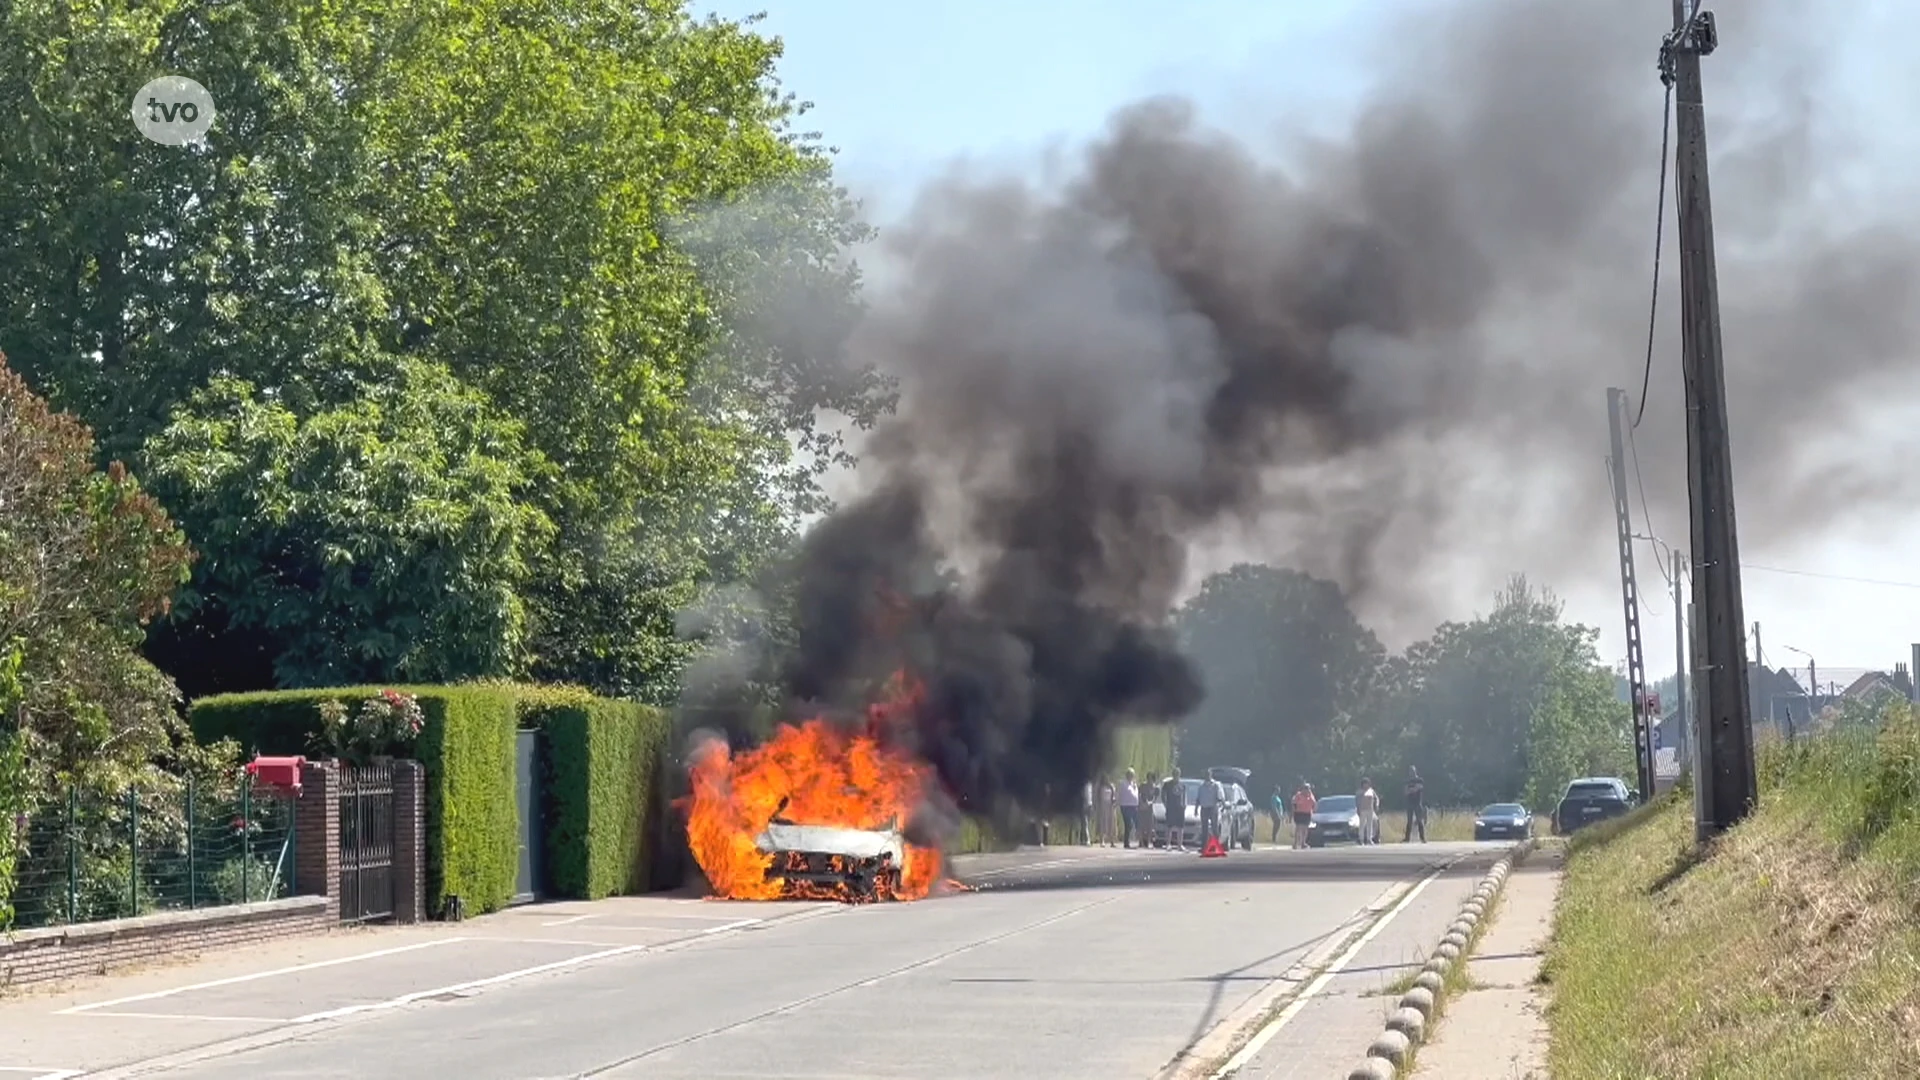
{"x":466,"y":745}
{"x":603,"y":766}
{"x":601,"y":772}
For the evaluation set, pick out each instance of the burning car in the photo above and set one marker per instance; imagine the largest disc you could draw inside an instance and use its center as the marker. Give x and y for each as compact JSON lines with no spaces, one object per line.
{"x":830,"y":862}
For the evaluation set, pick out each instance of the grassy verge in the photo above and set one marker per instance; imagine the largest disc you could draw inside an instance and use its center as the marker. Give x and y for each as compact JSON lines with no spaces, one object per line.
{"x":1788,"y":948}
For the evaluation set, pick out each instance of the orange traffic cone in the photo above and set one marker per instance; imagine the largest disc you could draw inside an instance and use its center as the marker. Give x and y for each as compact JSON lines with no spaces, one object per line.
{"x":1214,"y":849}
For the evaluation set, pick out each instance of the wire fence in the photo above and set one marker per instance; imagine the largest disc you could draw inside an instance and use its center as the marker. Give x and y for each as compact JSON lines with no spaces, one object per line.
{"x":99,"y":855}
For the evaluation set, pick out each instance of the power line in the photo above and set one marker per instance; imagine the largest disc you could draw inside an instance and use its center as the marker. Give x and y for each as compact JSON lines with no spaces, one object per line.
{"x":1659,"y":233}
{"x":1646,"y":513}
{"x":1831,"y":577}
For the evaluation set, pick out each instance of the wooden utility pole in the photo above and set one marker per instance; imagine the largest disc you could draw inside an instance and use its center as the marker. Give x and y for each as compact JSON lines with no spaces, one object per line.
{"x":1630,"y":594}
{"x":1725,"y":779}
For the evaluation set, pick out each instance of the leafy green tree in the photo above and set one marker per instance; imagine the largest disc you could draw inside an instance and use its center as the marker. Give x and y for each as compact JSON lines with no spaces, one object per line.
{"x":1285,"y":664}
{"x":381,"y":541}
{"x":1513,"y":703}
{"x":598,"y":216}
{"x":87,"y":559}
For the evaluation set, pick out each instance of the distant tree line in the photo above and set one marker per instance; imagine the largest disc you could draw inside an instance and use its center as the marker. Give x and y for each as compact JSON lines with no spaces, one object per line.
{"x":1508,"y":705}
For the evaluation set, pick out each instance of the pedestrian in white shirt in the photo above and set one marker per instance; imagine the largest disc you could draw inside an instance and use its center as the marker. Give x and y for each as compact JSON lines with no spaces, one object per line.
{"x":1368,"y":804}
{"x":1129,"y":809}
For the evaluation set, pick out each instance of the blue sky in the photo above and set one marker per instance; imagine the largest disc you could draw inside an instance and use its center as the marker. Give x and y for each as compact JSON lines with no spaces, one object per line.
{"x":905,"y":90}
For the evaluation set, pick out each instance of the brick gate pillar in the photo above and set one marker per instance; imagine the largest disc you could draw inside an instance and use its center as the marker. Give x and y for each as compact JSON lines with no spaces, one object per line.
{"x":316,"y":824}
{"x":409,"y":842}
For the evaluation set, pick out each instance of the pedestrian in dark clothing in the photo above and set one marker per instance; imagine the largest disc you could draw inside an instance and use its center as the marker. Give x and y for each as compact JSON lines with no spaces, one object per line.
{"x":1175,"y":798}
{"x":1416,"y":805}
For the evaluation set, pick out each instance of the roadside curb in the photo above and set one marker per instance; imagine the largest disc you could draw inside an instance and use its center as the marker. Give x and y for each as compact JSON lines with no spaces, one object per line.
{"x":1411,"y":1021}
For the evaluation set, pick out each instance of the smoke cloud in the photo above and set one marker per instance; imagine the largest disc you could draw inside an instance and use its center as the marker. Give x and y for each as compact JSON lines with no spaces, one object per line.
{"x":1384,"y":355}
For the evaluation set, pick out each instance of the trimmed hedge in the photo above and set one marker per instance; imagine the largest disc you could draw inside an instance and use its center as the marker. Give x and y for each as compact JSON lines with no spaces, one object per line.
{"x":603,"y":774}
{"x":601,"y":777}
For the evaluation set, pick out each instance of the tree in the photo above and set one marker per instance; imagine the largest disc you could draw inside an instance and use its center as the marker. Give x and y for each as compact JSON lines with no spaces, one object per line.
{"x":1285,"y":664}
{"x":86,"y":560}
{"x":1508,"y":705}
{"x":381,"y":541}
{"x":596,"y":215}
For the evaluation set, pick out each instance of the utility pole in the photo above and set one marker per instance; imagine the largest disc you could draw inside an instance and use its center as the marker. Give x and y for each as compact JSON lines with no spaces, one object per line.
{"x":1680,"y":689}
{"x":1630,"y":593}
{"x":1725,"y":782}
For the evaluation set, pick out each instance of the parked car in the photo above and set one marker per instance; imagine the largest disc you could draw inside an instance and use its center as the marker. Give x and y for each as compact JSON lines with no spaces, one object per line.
{"x":1335,"y":818}
{"x":1590,"y":799}
{"x":1503,"y":821}
{"x":1237,"y":819}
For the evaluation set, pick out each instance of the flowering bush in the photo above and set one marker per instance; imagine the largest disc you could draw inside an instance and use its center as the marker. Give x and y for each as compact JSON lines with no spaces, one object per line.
{"x":383,"y":722}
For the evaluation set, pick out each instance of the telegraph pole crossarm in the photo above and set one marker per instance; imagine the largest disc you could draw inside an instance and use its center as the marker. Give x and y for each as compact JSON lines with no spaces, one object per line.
{"x":1724,"y":779}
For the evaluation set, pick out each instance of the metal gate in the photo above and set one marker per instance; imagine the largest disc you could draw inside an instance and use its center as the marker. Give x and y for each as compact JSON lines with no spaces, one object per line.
{"x":366,"y":843}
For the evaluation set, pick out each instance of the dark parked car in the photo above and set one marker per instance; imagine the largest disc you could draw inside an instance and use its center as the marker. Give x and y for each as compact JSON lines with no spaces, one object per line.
{"x":1590,"y":799}
{"x":1335,"y":818}
{"x":1503,"y":821}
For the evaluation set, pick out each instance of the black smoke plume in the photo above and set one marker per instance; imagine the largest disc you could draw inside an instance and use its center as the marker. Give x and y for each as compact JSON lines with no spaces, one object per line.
{"x":1397,"y":341}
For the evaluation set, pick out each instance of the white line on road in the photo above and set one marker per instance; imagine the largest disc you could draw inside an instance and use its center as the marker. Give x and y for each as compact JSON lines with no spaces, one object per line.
{"x":193,"y":1016}
{"x":40,"y":1073}
{"x":262,"y":975}
{"x":1266,"y":1034}
{"x":568,"y":922}
{"x":472,"y":984}
{"x":729,"y":926}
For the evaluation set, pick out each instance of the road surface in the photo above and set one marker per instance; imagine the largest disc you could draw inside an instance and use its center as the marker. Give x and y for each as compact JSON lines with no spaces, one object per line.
{"x":1066,"y":962}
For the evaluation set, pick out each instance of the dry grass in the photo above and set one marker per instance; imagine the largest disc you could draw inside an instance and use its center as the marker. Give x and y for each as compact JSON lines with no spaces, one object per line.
{"x":1790,"y":949}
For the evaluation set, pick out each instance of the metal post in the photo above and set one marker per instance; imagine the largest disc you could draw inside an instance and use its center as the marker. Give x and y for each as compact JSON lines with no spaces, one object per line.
{"x":1630,"y":591}
{"x":1684,"y":749}
{"x":73,"y":854}
{"x":1728,"y":778}
{"x":133,"y":850}
{"x":193,"y":879}
{"x":246,"y":840}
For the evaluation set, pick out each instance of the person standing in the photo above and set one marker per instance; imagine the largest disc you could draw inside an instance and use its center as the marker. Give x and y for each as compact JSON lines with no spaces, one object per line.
{"x":1129,"y":810}
{"x":1368,"y":804}
{"x":1303,"y":806}
{"x":1103,"y":813}
{"x":1280,"y":812}
{"x":1086,"y":815}
{"x":1174,"y":798}
{"x":1416,"y":805}
{"x":1209,"y":811}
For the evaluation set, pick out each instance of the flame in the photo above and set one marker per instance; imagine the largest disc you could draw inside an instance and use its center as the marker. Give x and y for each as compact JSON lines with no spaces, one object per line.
{"x":813,"y":773}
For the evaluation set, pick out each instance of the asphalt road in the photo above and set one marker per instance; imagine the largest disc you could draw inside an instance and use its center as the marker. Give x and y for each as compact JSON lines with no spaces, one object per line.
{"x":1064,"y":963}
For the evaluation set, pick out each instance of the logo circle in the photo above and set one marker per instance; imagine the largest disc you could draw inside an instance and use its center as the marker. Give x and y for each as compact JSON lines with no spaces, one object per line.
{"x":173,"y":110}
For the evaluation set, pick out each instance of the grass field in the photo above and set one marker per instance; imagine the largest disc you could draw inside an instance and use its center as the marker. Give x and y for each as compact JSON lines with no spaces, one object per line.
{"x":1789,"y":948}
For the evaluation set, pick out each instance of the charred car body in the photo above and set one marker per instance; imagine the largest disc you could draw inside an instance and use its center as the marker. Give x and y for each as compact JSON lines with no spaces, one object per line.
{"x":826,"y":862}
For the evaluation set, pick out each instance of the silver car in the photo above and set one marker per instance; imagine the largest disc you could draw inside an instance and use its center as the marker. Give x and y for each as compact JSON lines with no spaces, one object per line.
{"x":1336,"y":819}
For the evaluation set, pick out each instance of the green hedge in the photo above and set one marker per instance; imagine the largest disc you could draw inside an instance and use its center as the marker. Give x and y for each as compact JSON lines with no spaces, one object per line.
{"x":467,"y":749}
{"x":601,"y":779}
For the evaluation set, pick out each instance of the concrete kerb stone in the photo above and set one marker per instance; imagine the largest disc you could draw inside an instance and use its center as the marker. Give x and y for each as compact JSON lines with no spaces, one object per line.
{"x":1393,"y":1046}
{"x":1407,"y":1026}
{"x":1373,"y":1068}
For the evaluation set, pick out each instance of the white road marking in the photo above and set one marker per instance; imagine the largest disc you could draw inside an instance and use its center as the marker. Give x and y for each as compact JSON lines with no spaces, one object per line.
{"x":194,"y":1016}
{"x":568,"y":922}
{"x":728,"y":926}
{"x":268,"y":974}
{"x":1266,"y":1034}
{"x":510,"y":976}
{"x":472,"y":984}
{"x":40,"y":1073}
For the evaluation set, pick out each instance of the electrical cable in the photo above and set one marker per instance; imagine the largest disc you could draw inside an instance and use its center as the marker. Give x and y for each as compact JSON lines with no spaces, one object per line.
{"x":1659,"y":234}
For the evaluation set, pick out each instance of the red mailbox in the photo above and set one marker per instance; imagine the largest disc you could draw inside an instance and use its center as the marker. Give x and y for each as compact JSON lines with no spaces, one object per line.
{"x":277,"y":772}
